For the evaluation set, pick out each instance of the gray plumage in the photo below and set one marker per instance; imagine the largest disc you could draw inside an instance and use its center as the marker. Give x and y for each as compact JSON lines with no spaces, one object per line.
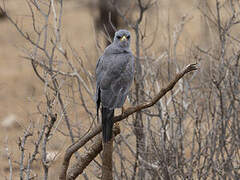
{"x":114,"y":74}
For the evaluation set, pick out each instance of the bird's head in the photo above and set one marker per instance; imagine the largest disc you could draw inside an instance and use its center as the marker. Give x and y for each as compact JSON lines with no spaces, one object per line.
{"x":122,"y":38}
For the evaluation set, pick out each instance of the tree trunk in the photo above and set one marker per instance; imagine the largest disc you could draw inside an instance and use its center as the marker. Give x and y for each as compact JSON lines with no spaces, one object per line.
{"x":107,"y":160}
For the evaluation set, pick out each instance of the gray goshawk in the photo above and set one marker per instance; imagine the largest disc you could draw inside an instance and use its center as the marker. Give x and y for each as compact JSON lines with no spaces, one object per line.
{"x":114,"y":74}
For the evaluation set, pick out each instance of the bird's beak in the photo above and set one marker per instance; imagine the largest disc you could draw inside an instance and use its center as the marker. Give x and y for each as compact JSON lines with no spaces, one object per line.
{"x":123,"y":38}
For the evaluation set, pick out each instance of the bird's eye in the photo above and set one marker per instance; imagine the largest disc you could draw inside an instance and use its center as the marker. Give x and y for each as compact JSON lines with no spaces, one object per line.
{"x":128,"y":37}
{"x":119,"y":37}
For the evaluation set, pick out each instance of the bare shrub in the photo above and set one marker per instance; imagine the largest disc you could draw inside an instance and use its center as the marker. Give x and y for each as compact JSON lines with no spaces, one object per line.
{"x":190,"y":133}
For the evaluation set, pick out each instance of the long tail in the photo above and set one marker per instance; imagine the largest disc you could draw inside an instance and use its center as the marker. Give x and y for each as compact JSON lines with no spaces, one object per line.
{"x":107,"y":123}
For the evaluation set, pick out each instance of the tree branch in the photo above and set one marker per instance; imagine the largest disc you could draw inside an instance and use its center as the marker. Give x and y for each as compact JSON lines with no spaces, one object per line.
{"x":81,"y":142}
{"x":163,"y":91}
{"x":88,"y":156}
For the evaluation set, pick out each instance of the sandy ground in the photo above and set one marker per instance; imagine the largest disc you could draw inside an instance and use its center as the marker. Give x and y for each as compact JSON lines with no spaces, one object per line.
{"x":20,"y":89}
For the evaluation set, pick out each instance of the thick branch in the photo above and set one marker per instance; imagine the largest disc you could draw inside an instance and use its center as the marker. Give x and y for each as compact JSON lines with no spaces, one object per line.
{"x":83,"y":161}
{"x":92,"y":152}
{"x":81,"y":142}
{"x":107,"y":160}
{"x":74,"y":147}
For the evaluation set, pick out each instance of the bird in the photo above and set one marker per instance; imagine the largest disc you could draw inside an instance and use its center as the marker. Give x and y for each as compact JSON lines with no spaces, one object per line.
{"x":114,"y":76}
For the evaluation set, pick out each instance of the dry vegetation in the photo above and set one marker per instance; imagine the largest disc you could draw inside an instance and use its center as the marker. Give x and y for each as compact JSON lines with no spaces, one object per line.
{"x":47,"y":90}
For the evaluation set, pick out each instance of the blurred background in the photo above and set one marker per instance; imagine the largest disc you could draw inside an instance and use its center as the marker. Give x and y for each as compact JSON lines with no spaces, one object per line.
{"x":172,"y":34}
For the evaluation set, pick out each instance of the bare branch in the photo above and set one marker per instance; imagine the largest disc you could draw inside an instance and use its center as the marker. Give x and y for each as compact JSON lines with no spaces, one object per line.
{"x":82,"y":141}
{"x":92,"y":152}
{"x":163,"y":91}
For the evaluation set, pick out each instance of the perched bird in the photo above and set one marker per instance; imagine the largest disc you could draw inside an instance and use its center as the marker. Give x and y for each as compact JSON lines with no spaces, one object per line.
{"x":114,"y":74}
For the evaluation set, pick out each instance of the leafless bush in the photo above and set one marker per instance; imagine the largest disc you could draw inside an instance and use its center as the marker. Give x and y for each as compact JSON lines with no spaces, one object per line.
{"x":55,"y":66}
{"x":190,"y":133}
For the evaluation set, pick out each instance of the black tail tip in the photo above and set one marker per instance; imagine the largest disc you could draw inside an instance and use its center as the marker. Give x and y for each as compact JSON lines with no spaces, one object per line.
{"x":107,"y":134}
{"x":107,"y":124}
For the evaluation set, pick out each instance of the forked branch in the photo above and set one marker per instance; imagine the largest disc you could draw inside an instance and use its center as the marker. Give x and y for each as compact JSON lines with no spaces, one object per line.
{"x":81,"y":142}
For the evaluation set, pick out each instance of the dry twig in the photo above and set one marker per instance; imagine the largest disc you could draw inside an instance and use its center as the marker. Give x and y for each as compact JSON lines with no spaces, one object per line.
{"x":82,"y":141}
